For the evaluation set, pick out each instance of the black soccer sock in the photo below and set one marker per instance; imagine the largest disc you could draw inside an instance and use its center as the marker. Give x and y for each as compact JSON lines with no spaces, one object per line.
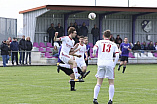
{"x":124,"y":67}
{"x":80,"y":71}
{"x":72,"y":84}
{"x":120,"y":65}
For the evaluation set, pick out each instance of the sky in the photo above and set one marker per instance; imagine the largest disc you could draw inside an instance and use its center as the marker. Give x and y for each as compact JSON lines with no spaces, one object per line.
{"x":11,"y":8}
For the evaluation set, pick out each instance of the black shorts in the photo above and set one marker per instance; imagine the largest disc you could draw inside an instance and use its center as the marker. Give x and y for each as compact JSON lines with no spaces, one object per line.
{"x":67,"y":71}
{"x":124,"y":58}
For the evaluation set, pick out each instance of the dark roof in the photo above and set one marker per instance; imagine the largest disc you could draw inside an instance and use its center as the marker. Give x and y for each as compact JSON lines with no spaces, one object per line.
{"x":93,"y":8}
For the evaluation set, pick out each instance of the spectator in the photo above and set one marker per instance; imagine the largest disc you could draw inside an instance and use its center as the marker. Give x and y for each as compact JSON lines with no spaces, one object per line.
{"x":143,"y":46}
{"x":71,"y":25}
{"x":8,"y":56}
{"x":151,"y":46}
{"x":83,"y":30}
{"x":55,"y":52}
{"x":95,"y":33}
{"x":76,"y":39}
{"x":131,"y":45}
{"x":137,"y":46}
{"x":4,"y":52}
{"x":112,"y":38}
{"x":59,"y":29}
{"x":155,"y":45}
{"x":118,"y":40}
{"x":51,"y":31}
{"x":28,"y":49}
{"x":14,"y":50}
{"x":9,"y":39}
{"x":22,"y":48}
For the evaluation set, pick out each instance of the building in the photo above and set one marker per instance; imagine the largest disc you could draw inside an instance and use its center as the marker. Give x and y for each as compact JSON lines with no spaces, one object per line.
{"x":8,"y":28}
{"x":136,"y":23}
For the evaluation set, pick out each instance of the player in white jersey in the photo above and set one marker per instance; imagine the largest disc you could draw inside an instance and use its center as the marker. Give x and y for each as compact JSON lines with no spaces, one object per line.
{"x":81,"y":61}
{"x":67,"y":46}
{"x":105,"y":64}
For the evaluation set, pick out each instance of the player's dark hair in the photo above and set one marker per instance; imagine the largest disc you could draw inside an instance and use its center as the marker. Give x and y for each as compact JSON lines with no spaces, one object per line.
{"x":71,"y":30}
{"x":107,"y":33}
{"x":81,"y":37}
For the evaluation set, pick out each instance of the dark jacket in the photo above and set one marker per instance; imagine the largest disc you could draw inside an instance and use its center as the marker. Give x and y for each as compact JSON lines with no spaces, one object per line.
{"x":143,"y":47}
{"x":95,"y":32}
{"x":14,"y":46}
{"x":83,"y":30}
{"x":22,"y":44}
{"x":59,"y":30}
{"x":51,"y":31}
{"x":151,"y":47}
{"x":28,"y":45}
{"x":4,"y":49}
{"x":137,"y":47}
{"x":117,"y":40}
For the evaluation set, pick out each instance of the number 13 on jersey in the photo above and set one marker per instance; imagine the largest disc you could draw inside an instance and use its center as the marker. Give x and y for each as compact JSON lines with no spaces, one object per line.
{"x":106,"y":48}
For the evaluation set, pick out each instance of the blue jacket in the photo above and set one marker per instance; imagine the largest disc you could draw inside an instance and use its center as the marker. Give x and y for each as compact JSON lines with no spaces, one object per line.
{"x":14,"y":46}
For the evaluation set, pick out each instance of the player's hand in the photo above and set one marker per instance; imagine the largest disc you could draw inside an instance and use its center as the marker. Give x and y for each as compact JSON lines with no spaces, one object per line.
{"x":86,"y":59}
{"x":89,"y":58}
{"x":56,"y":34}
{"x":79,"y":56}
{"x":120,"y":52}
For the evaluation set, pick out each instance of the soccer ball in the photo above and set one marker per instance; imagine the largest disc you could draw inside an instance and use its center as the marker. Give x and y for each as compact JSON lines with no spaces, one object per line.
{"x":91,"y":16}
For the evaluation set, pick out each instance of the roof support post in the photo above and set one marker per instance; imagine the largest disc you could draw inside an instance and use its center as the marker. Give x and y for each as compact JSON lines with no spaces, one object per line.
{"x":66,"y":16}
{"x":134,"y":17}
{"x":101,"y":16}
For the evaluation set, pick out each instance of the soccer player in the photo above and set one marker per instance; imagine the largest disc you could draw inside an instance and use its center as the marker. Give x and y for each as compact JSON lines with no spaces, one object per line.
{"x":81,"y":61}
{"x":88,"y":50}
{"x":67,"y":46}
{"x":124,"y":51}
{"x":105,"y":64}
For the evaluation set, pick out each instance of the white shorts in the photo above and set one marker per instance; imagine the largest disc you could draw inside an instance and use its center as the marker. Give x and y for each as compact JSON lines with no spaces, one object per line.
{"x":80,"y":63}
{"x":65,"y":57}
{"x":105,"y":72}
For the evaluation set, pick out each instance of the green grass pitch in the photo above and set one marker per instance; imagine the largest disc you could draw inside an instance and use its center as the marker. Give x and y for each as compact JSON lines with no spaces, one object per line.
{"x":43,"y":85}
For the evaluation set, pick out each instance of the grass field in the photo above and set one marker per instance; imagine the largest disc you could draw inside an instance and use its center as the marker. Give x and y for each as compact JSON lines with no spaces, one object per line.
{"x":43,"y":85}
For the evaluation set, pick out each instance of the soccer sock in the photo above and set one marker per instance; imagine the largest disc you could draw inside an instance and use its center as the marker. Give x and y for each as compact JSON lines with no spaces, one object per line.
{"x":65,"y":65}
{"x":111,"y":92}
{"x":80,"y":71}
{"x":96,"y":91}
{"x":120,"y":65}
{"x":75,"y":72}
{"x":124,"y":67}
{"x":72,"y":84}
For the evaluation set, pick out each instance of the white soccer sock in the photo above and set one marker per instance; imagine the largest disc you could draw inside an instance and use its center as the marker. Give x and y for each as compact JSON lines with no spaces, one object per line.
{"x":96,"y":91}
{"x":75,"y":72}
{"x":111,"y":92}
{"x":65,"y":65}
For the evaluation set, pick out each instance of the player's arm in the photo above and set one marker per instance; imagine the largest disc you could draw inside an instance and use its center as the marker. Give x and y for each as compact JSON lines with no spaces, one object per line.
{"x":77,"y":55}
{"x":86,"y":56}
{"x":116,"y":56}
{"x":129,"y":48}
{"x":55,"y":37}
{"x":72,"y":52}
{"x":75,"y":47}
{"x":94,"y":50}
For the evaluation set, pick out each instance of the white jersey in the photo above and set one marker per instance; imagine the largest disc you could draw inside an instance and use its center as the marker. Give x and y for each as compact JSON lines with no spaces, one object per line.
{"x":81,"y":51}
{"x":105,"y":52}
{"x":67,"y":44}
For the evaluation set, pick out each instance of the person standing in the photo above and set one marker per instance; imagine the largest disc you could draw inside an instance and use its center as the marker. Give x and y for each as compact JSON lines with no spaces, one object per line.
{"x":83,"y":30}
{"x":105,"y":64}
{"x":124,"y":51}
{"x":14,"y":50}
{"x":88,"y":50}
{"x":76,"y":39}
{"x":4,"y":52}
{"x":22,"y":48}
{"x":60,"y":31}
{"x":118,"y":40}
{"x":95,"y":33}
{"x":51,"y":31}
{"x":28,"y":49}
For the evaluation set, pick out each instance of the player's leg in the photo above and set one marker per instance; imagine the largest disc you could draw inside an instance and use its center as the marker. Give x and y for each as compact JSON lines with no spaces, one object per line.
{"x":100,"y":75}
{"x":72,"y":82}
{"x":111,"y":90}
{"x":97,"y":89}
{"x":121,"y":63}
{"x":124,"y":67}
{"x":84,"y":69}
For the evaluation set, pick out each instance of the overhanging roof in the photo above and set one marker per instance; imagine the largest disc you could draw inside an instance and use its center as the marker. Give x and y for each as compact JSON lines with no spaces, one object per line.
{"x":92,"y":8}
